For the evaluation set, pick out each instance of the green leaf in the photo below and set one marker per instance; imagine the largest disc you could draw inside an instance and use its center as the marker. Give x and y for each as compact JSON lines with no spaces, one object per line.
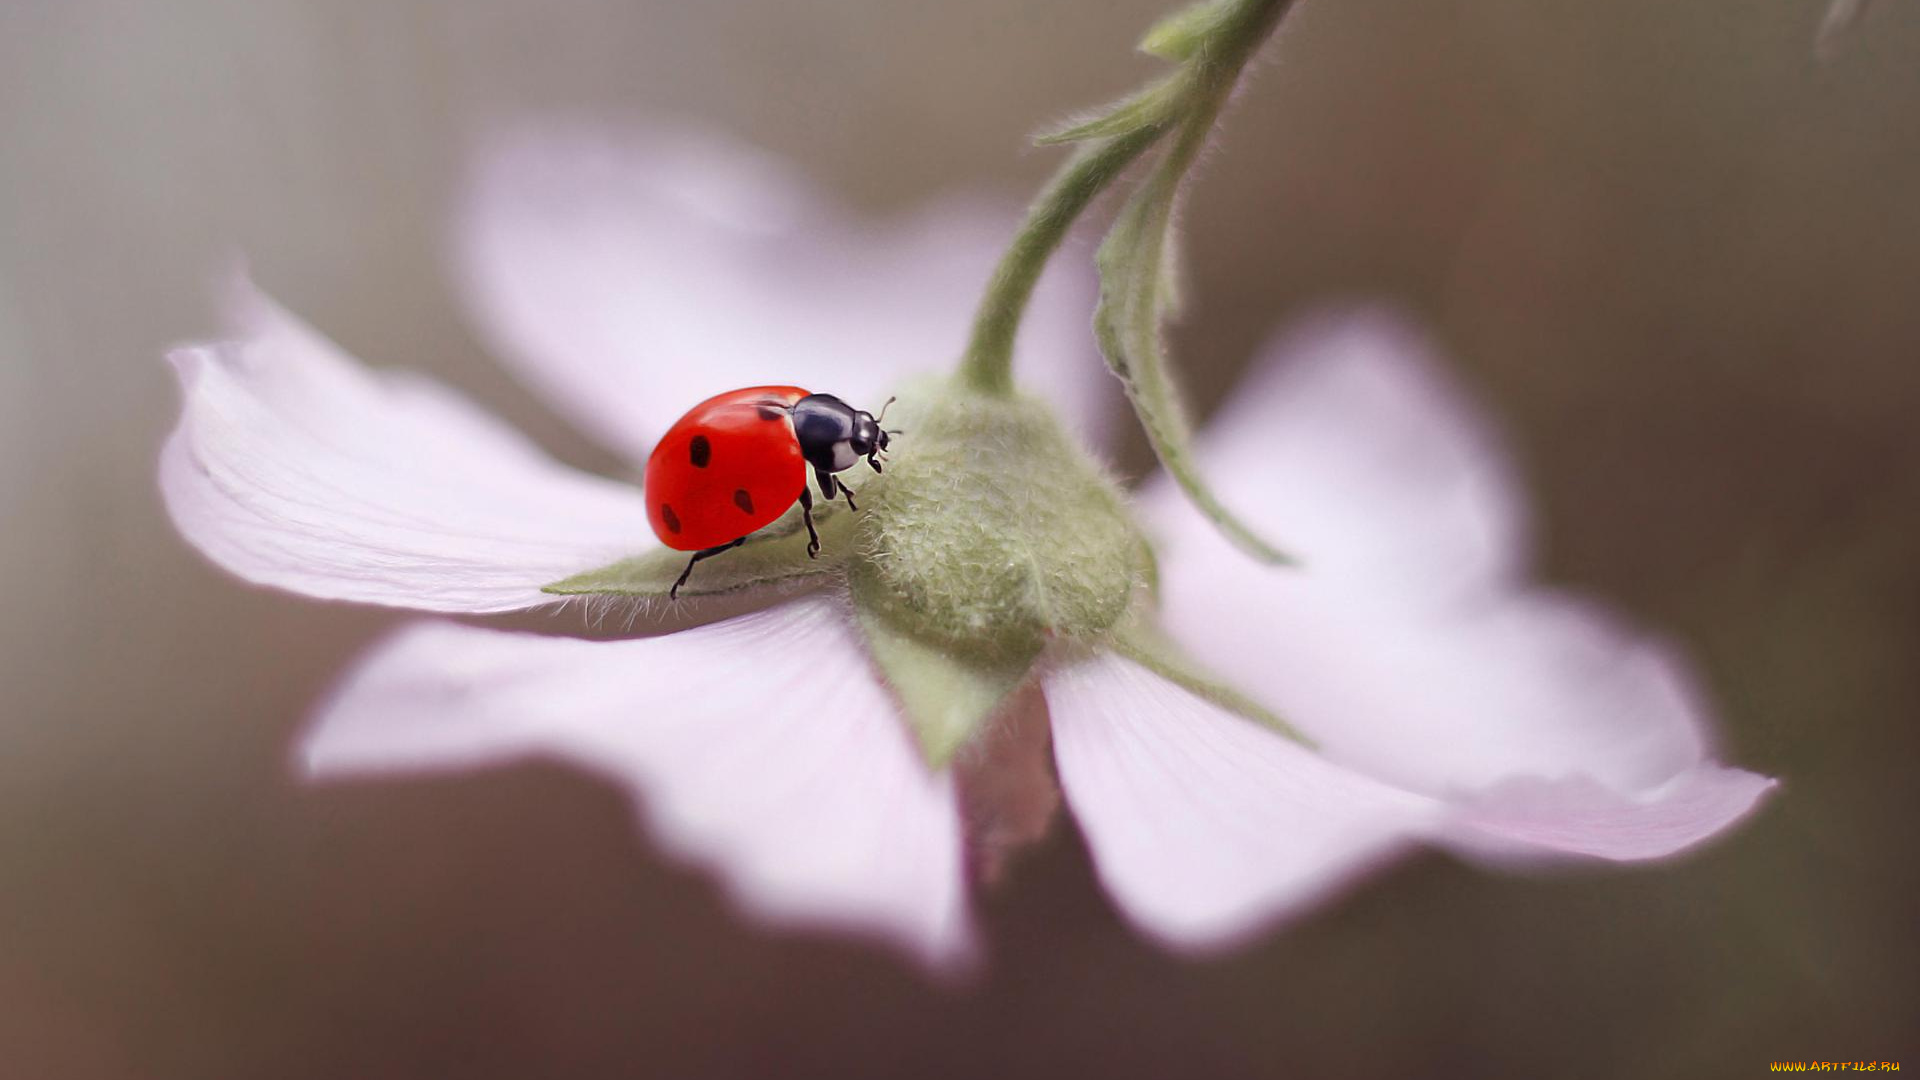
{"x":946,"y":698}
{"x":1135,"y":263}
{"x":1172,"y":300}
{"x":1150,"y":108}
{"x":1181,"y":34}
{"x":1140,"y":642}
{"x":775,"y":555}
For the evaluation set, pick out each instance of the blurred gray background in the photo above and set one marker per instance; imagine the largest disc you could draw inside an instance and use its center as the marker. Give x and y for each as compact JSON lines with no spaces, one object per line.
{"x":1676,"y":253}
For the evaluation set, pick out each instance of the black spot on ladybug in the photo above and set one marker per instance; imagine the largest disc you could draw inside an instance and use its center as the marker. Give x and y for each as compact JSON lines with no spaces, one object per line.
{"x":700,"y":451}
{"x":672,"y":519}
{"x":743,"y":500}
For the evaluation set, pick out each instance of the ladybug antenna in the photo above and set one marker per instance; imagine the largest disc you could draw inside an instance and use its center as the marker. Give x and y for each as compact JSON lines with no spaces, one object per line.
{"x":882,"y":415}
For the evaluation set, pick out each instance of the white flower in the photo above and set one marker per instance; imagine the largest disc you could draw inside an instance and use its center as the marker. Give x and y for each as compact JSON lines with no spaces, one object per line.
{"x":1451,"y":704}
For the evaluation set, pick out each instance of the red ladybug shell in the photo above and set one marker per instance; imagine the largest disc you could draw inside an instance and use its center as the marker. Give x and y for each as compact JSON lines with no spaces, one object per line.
{"x":731,"y":465}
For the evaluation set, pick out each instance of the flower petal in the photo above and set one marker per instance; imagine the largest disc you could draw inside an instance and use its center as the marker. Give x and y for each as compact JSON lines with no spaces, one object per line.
{"x":1442,"y":675}
{"x":1580,"y":817}
{"x":763,"y":746}
{"x":1204,"y":826}
{"x":293,"y":466}
{"x":1349,"y":446}
{"x":629,"y":277}
{"x":1537,"y":685}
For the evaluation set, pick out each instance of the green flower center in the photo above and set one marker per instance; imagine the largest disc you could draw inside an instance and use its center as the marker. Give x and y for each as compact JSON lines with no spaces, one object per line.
{"x":994,"y":532}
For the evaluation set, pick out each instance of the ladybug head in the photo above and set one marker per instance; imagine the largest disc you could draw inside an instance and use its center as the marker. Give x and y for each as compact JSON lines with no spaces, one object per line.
{"x":834,"y":435}
{"x":869,"y":438}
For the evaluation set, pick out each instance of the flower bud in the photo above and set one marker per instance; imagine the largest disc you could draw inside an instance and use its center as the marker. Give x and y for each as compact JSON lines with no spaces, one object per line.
{"x":994,"y":532}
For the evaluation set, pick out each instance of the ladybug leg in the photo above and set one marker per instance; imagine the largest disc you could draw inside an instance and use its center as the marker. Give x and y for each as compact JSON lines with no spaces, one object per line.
{"x":828,"y":484}
{"x":806,"y":515}
{"x":674,"y":593}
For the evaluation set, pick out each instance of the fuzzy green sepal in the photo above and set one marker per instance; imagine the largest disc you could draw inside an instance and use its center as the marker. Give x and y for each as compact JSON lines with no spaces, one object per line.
{"x":945,"y":698}
{"x":995,"y":533}
{"x":776,"y":555}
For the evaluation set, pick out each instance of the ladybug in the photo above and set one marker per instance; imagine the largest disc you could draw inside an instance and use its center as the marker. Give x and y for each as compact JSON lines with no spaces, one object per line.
{"x":736,"y":461}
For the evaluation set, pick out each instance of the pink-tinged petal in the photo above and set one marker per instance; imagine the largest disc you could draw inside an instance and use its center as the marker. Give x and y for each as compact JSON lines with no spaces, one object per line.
{"x":296,"y":467}
{"x":629,"y":275}
{"x":1349,"y":445}
{"x":1528,"y":818}
{"x":1417,"y":656}
{"x":1205,"y":827}
{"x":764,"y":747}
{"x":1447,"y":702}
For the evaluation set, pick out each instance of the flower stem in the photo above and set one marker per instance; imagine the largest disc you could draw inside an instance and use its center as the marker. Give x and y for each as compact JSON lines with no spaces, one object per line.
{"x":1214,"y":41}
{"x":988,"y":365}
